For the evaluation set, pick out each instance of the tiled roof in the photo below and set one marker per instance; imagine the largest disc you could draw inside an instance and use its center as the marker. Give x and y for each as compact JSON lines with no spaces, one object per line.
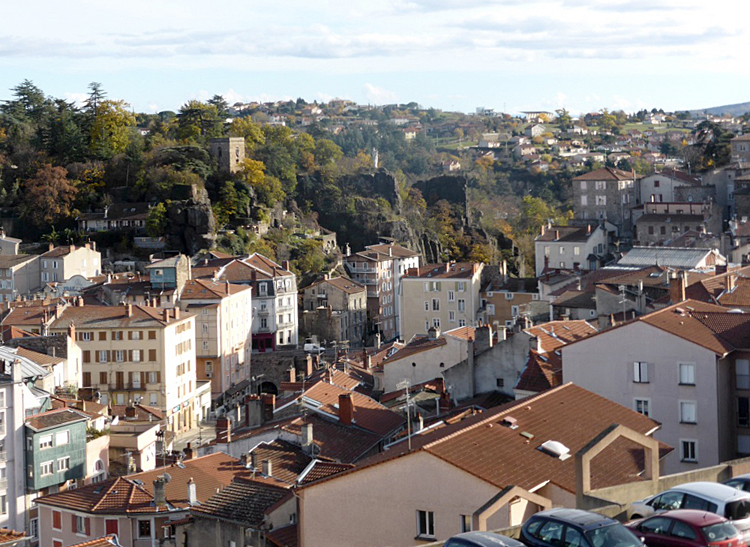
{"x":11,"y":537}
{"x":651,"y":276}
{"x":201,"y":289}
{"x":320,"y":469}
{"x":109,"y":317}
{"x":54,"y":418}
{"x":393,"y":249}
{"x":62,"y":250}
{"x":8,"y":261}
{"x":567,"y":234}
{"x":675,"y":257}
{"x":378,"y":355}
{"x":287,"y":459}
{"x":113,"y":496}
{"x":335,"y":441}
{"x":709,"y":288}
{"x":264,"y":263}
{"x":368,"y":413}
{"x":9,"y":332}
{"x":464,"y":333}
{"x":29,"y":316}
{"x":283,"y":537}
{"x":353,"y":379}
{"x":243,"y":501}
{"x":106,"y":541}
{"x":29,"y":369}
{"x":606,"y":173}
{"x":417,"y":344}
{"x":452,"y":270}
{"x":738,"y":296}
{"x":576,"y":299}
{"x":568,"y":414}
{"x":343,"y":284}
{"x":142,"y":412}
{"x":555,"y":334}
{"x":39,"y":358}
{"x":542,"y":372}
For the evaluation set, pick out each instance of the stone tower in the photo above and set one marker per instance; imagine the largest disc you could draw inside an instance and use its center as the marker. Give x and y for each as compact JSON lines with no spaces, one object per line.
{"x":229,"y":152}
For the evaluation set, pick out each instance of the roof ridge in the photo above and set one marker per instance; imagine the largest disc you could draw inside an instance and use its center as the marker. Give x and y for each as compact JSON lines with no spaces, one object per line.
{"x":101,"y":498}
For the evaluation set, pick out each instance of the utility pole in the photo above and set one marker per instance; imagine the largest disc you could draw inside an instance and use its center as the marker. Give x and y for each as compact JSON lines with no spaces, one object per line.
{"x":404,"y":384}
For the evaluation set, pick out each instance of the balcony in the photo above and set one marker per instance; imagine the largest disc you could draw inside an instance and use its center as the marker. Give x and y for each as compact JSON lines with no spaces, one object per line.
{"x":262,"y":312}
{"x":127,"y":387}
{"x":3,"y":456}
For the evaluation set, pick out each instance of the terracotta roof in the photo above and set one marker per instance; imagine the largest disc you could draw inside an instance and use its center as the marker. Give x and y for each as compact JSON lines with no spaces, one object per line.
{"x":417,"y":344}
{"x":576,"y":299}
{"x":287,"y":459}
{"x":542,"y":372}
{"x":452,"y":270}
{"x":738,"y":296}
{"x":62,"y":250}
{"x":142,"y":412}
{"x":568,"y":414}
{"x":9,"y":332}
{"x":335,"y":441}
{"x":29,"y":316}
{"x":106,"y":541}
{"x":201,"y":289}
{"x":464,"y":333}
{"x":708,"y":288}
{"x":555,"y":334}
{"x":244,"y":501}
{"x":393,"y":249}
{"x":10,"y":537}
{"x":283,"y":537}
{"x":109,"y":317}
{"x":343,"y":284}
{"x":606,"y":173}
{"x":39,"y":358}
{"x":264,"y":263}
{"x":320,"y":469}
{"x":368,"y":413}
{"x":567,"y":233}
{"x":378,"y":355}
{"x":54,"y":418}
{"x":353,"y":379}
{"x":112,"y":496}
{"x":8,"y":261}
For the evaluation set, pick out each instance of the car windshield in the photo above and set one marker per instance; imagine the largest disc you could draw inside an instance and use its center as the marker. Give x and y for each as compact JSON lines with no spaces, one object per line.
{"x":615,"y":535}
{"x":720,"y":532}
{"x":737,"y":510}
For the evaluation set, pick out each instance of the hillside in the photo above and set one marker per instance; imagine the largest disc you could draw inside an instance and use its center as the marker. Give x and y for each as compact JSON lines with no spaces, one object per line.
{"x":732,"y":109}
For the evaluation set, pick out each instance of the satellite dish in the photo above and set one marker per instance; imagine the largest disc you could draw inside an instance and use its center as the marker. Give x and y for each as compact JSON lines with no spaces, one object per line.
{"x":167,"y":477}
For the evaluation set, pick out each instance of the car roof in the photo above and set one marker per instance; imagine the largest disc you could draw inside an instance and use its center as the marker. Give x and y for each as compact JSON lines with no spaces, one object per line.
{"x":693,"y":516}
{"x":745,"y":476}
{"x":584,"y":519}
{"x":488,"y":539}
{"x":712,"y":490}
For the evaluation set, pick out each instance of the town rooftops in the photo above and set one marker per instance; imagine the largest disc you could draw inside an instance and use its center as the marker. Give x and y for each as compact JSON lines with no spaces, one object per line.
{"x":393,"y":249}
{"x":287,"y":459}
{"x":9,"y":261}
{"x":606,"y":173}
{"x":342,"y":283}
{"x":243,"y":501}
{"x":11,"y":537}
{"x":555,"y":334}
{"x":678,"y":175}
{"x":448,"y":270}
{"x":62,"y":250}
{"x":674,"y":257}
{"x":199,"y":289}
{"x":564,"y":234}
{"x":109,"y":317}
{"x":418,"y":344}
{"x":543,"y":371}
{"x":41,"y":359}
{"x":106,"y":541}
{"x":54,"y":418}
{"x":568,"y":414}
{"x":29,"y":369}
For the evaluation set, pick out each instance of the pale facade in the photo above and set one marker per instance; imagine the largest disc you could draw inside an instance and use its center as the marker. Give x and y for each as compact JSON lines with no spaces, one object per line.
{"x":137,"y":354}
{"x":61,"y":263}
{"x":570,"y":247}
{"x":19,"y":275}
{"x":444,"y":296}
{"x":374,"y":270}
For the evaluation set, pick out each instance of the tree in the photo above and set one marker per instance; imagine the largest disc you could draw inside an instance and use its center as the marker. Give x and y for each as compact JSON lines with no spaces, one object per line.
{"x":109,"y":132}
{"x":222,"y":107}
{"x":197,"y":120}
{"x":249,"y":130}
{"x":156,"y":222}
{"x":49,"y":196}
{"x":564,"y":118}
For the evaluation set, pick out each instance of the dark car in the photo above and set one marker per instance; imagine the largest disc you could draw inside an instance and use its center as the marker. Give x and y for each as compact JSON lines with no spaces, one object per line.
{"x":741,"y":482}
{"x":687,"y":528}
{"x":482,"y":539}
{"x":575,"y":528}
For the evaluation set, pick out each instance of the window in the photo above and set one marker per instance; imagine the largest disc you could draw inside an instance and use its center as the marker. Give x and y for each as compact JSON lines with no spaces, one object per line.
{"x":461,"y":286}
{"x":451,"y":296}
{"x":576,"y":250}
{"x":451,"y":316}
{"x":81,"y":525}
{"x":601,"y":200}
{"x":117,"y":335}
{"x":435,"y":304}
{"x":45,"y":442}
{"x":687,"y":374}
{"x":46,"y":468}
{"x":562,"y":250}
{"x":34,"y":528}
{"x":663,"y":230}
{"x":743,"y":411}
{"x":601,"y":184}
{"x":63,"y":464}
{"x":462,"y":322}
{"x":584,"y":200}
{"x":742,"y":373}
{"x":514,"y":311}
{"x":102,"y":355}
{"x":86,"y":336}
{"x":461,"y":305}
{"x":152,"y":335}
{"x":491,"y":309}
{"x":111,"y":527}
{"x":136,"y":335}
{"x":426,"y":306}
{"x":500,"y":382}
{"x":583,"y":185}
{"x":425,"y":524}
{"x":119,"y":355}
{"x":465,"y":523}
{"x":57,"y":520}
{"x":643,"y":406}
{"x":136,"y":355}
{"x":688,"y":412}
{"x":688,"y":450}
{"x":640,"y":372}
{"x":436,"y":322}
{"x":63,"y":437}
{"x":509,"y":296}
{"x":153,"y":399}
{"x":144,"y":528}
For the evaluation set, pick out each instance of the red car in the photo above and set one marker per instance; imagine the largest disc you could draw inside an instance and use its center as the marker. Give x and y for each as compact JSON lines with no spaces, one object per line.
{"x":687,"y":528}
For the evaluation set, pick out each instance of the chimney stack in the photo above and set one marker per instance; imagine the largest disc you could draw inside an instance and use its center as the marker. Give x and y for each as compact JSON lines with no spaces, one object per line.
{"x":165,"y":315}
{"x":160,"y":495}
{"x":223,"y":430}
{"x":130,"y":411}
{"x":677,"y":288}
{"x":307,"y":438}
{"x":254,"y":461}
{"x":346,"y":409}
{"x":188,"y":451}
{"x":177,"y":313}
{"x":269,"y":405}
{"x":267,"y":468}
{"x":192,"y":493}
{"x":534,"y":344}
{"x":731,"y":282}
{"x":129,"y":310}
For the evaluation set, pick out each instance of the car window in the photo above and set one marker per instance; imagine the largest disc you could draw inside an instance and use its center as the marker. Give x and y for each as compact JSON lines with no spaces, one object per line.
{"x":737,"y":483}
{"x":456,"y":543}
{"x":656,"y":525}
{"x":573,"y":538}
{"x":612,"y":535}
{"x":551,"y":532}
{"x":668,"y":501}
{"x":532,"y":528}
{"x":682,"y":530}
{"x":694,"y":502}
{"x":737,"y":510}
{"x":720,"y":532}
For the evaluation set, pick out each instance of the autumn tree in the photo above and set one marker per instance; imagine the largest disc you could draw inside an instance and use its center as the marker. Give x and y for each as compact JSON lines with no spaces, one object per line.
{"x":110,"y":133}
{"x":49,"y":196}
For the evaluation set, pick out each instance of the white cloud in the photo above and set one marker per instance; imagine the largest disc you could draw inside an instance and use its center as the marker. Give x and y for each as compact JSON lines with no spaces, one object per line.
{"x":378,"y":95}
{"x":78,"y":98}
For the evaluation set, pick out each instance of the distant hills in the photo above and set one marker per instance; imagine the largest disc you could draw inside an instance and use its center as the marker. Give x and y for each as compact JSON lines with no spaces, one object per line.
{"x":732,"y":109}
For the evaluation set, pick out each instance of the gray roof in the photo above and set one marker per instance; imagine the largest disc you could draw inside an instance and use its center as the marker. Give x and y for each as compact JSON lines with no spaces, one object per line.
{"x":673,"y":257}
{"x":29,"y":369}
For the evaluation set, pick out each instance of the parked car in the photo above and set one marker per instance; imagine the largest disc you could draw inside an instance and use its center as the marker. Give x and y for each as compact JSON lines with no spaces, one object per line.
{"x":575,"y":528}
{"x":482,"y":539}
{"x":740,"y":481}
{"x":687,"y":528}
{"x":721,"y":499}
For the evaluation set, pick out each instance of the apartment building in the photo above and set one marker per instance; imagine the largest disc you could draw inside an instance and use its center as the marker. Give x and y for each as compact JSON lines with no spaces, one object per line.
{"x":443,"y":296}
{"x":605,"y":194}
{"x":223,"y":331}
{"x":61,"y":263}
{"x":19,"y":275}
{"x":335,"y":309}
{"x":374,"y":270}
{"x":570,"y":247}
{"x":137,"y":354}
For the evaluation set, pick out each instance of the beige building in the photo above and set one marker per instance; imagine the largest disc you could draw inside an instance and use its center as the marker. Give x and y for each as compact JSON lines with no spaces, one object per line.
{"x":374,"y":270}
{"x":335,"y":309}
{"x":19,"y":275}
{"x":61,"y":263}
{"x":444,"y":296}
{"x":505,"y":299}
{"x":223,"y":331}
{"x":138,"y":354}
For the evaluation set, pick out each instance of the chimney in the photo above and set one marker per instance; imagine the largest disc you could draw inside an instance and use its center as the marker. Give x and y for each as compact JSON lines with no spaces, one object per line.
{"x":267,"y":468}
{"x":731,"y":281}
{"x":535,"y":344}
{"x":269,"y":405}
{"x":470,"y":361}
{"x":72,"y":247}
{"x":346,"y":409}
{"x":588,"y":228}
{"x":543,"y":229}
{"x":253,"y":460}
{"x":502,"y":334}
{"x":433,"y":333}
{"x":130,"y":411}
{"x":504,"y":270}
{"x":188,"y":451}
{"x":223,"y":430}
{"x":160,"y":496}
{"x":483,"y":338}
{"x":307,"y":438}
{"x":285,"y":265}
{"x":720,"y":269}
{"x":192,"y":493}
{"x":177,"y":313}
{"x":165,"y":315}
{"x":129,"y":310}
{"x":677,"y":288}
{"x":557,"y":234}
{"x":50,"y":246}
{"x":72,"y":331}
{"x":292,"y":374}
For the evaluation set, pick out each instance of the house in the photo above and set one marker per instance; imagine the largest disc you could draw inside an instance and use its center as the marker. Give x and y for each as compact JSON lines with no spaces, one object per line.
{"x":223,"y":340}
{"x":134,"y":352}
{"x":62,"y":263}
{"x":606,"y":194}
{"x":443,"y":296}
{"x":374,"y":269}
{"x":672,"y":257}
{"x":335,"y":309}
{"x":117,"y":217}
{"x":169,"y":273}
{"x":663,"y":222}
{"x":534,"y":130}
{"x":660,"y":187}
{"x":409,"y":483}
{"x":685,"y":366}
{"x":19,"y":275}
{"x":571,"y":247}
{"x":450,"y":166}
{"x":8,"y":245}
{"x":740,"y":148}
{"x":506,"y":298}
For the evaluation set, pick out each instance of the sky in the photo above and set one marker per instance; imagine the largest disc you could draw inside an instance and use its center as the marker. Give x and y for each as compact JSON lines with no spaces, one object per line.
{"x":509,"y":55}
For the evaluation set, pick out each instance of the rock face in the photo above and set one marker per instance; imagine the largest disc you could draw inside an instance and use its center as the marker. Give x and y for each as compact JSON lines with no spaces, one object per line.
{"x":190,"y":223}
{"x":380,"y":184}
